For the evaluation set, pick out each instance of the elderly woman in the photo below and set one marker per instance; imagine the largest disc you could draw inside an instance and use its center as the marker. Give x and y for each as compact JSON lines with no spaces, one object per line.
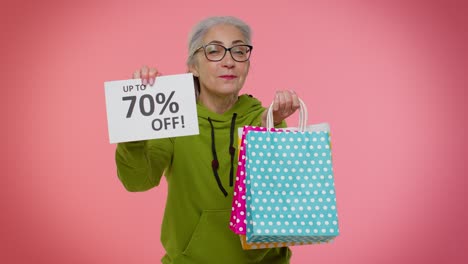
{"x":199,"y":169}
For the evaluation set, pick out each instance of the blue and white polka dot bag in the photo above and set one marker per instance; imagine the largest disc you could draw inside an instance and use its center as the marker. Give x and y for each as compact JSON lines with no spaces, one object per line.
{"x":290,"y":184}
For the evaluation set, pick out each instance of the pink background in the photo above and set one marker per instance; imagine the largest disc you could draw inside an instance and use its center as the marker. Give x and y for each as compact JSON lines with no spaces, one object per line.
{"x":389,"y":77}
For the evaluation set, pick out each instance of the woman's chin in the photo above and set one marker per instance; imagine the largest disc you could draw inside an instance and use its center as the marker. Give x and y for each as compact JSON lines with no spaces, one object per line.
{"x":228,"y":90}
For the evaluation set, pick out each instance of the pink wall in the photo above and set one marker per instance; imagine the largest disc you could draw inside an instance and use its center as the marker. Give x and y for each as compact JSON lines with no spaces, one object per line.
{"x":389,"y":77}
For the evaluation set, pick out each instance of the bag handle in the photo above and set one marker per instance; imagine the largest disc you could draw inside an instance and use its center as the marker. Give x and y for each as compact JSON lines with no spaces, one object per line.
{"x":303,"y":116}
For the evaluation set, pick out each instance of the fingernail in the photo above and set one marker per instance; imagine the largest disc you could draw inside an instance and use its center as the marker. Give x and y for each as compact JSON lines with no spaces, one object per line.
{"x":144,"y":81}
{"x":151,"y":81}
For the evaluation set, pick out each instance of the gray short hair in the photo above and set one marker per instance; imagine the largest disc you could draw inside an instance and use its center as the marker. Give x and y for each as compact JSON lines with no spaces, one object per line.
{"x":199,"y":31}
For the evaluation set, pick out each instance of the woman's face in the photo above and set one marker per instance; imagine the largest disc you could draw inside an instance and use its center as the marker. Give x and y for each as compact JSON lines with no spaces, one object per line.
{"x":225,"y":77}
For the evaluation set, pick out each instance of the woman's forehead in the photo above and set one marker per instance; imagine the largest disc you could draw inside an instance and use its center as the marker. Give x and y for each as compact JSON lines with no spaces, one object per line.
{"x":224,"y":34}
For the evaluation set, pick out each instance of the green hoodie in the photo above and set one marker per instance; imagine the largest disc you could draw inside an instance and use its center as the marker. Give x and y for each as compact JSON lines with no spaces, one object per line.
{"x":195,"y":227}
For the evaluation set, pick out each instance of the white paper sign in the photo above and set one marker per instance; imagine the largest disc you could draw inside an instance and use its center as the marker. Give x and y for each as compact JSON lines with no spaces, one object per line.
{"x":139,"y":112}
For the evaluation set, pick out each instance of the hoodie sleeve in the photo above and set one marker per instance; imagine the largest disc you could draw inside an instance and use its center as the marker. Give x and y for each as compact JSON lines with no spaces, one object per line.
{"x":141,"y":164}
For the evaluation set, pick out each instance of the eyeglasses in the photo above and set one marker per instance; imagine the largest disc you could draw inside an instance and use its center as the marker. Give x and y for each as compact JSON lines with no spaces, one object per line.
{"x":216,"y":52}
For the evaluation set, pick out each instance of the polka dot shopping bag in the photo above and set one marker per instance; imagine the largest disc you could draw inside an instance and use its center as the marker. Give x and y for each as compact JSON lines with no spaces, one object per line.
{"x":290,"y":191}
{"x":238,"y":220}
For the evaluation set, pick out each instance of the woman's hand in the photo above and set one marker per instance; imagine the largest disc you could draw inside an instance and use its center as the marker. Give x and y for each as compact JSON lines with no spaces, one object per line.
{"x":284,"y":105}
{"x":147,"y":75}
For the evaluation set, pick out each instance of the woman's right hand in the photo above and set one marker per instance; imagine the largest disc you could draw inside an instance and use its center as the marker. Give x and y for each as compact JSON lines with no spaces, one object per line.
{"x":148,"y":75}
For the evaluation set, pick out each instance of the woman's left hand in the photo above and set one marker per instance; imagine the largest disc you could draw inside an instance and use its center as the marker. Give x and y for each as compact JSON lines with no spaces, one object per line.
{"x":285,"y":104}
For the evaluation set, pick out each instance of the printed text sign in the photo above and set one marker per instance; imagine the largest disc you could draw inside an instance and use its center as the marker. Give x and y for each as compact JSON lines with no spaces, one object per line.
{"x":139,"y":112}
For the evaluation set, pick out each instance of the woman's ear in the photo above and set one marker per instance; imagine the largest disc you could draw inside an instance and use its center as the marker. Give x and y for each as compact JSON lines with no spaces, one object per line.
{"x":193,"y":69}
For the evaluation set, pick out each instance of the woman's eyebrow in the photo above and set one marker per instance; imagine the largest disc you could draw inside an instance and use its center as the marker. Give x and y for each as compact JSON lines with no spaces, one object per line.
{"x":220,"y":42}
{"x":238,"y":41}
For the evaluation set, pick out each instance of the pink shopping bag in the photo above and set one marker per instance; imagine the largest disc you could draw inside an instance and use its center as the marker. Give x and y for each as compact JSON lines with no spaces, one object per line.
{"x":237,"y":221}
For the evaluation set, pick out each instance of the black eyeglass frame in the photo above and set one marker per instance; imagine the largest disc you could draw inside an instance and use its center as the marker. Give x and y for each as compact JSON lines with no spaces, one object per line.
{"x":225,"y":51}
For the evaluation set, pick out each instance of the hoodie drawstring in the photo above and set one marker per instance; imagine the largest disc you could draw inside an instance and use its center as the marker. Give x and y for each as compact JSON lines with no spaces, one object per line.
{"x":232,"y":151}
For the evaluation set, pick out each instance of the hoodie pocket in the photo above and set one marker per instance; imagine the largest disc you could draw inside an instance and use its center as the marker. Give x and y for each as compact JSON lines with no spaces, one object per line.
{"x":213,"y":241}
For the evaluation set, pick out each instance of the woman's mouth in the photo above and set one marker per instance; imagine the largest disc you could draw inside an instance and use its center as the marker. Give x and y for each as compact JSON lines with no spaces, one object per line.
{"x":228,"y":77}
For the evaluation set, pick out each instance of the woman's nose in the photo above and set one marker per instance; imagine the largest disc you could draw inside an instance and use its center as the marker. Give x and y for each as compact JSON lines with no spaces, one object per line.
{"x":228,"y":61}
